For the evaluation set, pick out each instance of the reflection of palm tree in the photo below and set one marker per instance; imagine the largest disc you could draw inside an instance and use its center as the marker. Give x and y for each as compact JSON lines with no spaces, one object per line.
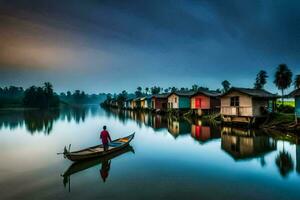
{"x":284,"y":162}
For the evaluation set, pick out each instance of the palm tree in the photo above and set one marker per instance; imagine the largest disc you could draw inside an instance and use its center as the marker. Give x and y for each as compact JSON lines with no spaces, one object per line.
{"x":297,"y":81}
{"x":155,"y":90}
{"x":48,"y":88}
{"x":195,"y":87}
{"x":283,"y":78}
{"x":226,"y":85}
{"x":147,"y":90}
{"x":138,"y":92}
{"x":261,"y":79}
{"x":174,"y":89}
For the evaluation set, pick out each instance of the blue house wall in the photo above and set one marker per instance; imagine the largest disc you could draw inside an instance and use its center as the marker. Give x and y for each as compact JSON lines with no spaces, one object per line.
{"x":184,"y":102}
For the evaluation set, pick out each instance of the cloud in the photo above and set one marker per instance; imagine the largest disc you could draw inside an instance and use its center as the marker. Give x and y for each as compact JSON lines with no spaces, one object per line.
{"x":155,"y":41}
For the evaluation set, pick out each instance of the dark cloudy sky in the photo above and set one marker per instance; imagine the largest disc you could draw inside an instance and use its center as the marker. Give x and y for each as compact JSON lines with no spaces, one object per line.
{"x":113,"y":45}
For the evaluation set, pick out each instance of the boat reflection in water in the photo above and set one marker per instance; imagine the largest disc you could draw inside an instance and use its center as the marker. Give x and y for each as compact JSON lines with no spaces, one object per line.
{"x":246,"y":144}
{"x":105,"y":162}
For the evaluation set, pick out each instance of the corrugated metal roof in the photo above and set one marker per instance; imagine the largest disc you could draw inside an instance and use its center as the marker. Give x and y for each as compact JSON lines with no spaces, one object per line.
{"x":146,"y":97}
{"x":164,"y":95}
{"x":253,"y":92}
{"x":183,"y":93}
{"x":130,"y":99}
{"x":208,"y":93}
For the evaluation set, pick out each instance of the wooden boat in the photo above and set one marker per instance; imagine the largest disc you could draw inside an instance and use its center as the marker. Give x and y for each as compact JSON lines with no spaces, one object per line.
{"x":86,"y":164}
{"x":98,"y":151}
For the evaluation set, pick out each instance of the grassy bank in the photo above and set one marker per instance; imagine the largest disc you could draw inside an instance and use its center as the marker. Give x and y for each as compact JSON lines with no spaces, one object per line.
{"x":282,"y":122}
{"x":286,"y":103}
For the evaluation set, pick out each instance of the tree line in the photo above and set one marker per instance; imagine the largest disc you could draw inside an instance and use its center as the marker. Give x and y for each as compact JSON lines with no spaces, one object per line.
{"x":44,"y":97}
{"x":283,"y":79}
{"x":34,"y":96}
{"x":40,"y":96}
{"x":11,"y":95}
{"x":80,"y":97}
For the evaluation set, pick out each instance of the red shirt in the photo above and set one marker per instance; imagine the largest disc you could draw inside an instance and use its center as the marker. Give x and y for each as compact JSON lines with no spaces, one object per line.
{"x":104,"y":135}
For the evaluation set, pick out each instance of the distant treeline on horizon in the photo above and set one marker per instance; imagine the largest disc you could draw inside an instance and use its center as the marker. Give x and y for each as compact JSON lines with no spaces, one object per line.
{"x":44,"y":97}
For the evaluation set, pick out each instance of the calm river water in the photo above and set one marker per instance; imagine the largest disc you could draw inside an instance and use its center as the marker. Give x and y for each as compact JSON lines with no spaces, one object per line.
{"x":168,"y":159}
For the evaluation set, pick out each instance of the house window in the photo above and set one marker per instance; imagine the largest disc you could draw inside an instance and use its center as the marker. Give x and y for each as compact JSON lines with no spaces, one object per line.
{"x":175,"y":99}
{"x":234,"y":101}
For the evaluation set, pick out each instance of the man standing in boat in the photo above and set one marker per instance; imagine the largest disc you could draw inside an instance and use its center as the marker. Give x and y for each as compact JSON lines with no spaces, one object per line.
{"x":105,"y":137}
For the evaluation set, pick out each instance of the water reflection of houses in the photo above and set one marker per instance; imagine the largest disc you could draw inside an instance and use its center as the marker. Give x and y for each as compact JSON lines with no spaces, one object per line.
{"x":204,"y":133}
{"x":158,"y":122}
{"x":245,"y":144}
{"x":178,"y":127}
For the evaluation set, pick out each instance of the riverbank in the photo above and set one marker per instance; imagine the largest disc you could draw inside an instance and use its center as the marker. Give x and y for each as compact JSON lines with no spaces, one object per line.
{"x":282,"y":122}
{"x":274,"y":121}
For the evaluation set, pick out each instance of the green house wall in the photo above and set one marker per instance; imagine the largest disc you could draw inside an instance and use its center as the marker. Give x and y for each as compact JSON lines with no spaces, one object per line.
{"x":297,"y":106}
{"x":184,"y":102}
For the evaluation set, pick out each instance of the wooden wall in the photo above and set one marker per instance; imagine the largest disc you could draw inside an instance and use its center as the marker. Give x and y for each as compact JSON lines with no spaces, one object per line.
{"x":160,"y":103}
{"x":173,"y":101}
{"x":245,"y":108}
{"x":184,"y":102}
{"x":205,"y":102}
{"x":257,"y":104}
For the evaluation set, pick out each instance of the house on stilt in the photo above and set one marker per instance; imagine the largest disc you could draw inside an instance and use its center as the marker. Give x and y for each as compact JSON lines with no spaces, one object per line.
{"x":180,"y":100}
{"x":246,"y":105}
{"x":205,"y":102}
{"x":159,"y":102}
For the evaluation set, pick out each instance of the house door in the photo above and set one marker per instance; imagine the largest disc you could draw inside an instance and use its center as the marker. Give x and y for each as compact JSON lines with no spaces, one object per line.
{"x":197,"y":103}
